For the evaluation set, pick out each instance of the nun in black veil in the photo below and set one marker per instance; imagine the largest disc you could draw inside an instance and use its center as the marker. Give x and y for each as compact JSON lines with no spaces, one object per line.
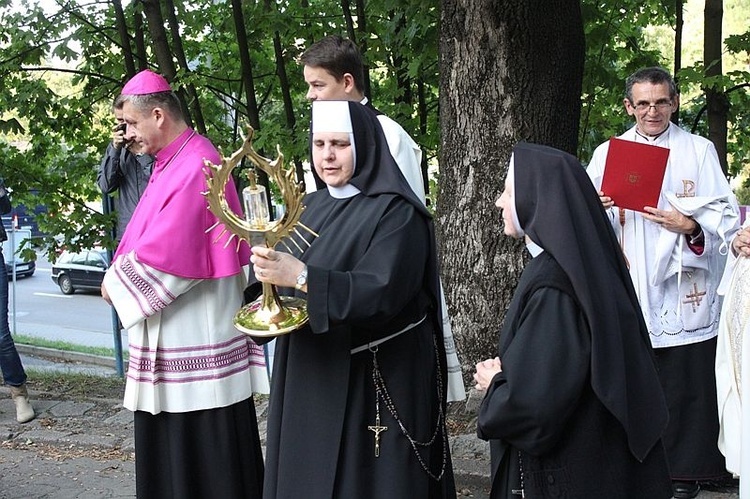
{"x":358,"y":400}
{"x":573,"y":405}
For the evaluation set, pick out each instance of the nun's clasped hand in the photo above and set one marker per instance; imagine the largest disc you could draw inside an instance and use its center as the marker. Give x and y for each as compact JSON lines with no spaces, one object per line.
{"x":486,"y":370}
{"x":274,"y":267}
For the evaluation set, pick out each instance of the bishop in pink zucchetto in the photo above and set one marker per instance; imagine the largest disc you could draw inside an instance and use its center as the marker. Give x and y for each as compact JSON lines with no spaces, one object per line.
{"x":146,"y":82}
{"x":173,"y":306}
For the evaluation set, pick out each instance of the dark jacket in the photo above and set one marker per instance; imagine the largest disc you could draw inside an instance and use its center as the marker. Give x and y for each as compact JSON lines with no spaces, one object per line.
{"x":5,"y":208}
{"x":128,"y":174}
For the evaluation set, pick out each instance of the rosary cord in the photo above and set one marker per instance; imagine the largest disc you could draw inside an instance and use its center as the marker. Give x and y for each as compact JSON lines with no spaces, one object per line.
{"x":382,"y":392}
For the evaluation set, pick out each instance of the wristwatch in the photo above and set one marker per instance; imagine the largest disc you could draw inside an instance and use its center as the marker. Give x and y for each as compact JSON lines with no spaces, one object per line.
{"x":301,"y":279}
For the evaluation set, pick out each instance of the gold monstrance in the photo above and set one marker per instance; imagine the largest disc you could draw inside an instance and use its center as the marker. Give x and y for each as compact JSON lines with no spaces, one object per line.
{"x":271,"y":314}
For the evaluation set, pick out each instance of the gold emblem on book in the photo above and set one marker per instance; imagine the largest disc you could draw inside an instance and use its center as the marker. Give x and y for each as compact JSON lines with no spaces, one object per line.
{"x":634,"y":178}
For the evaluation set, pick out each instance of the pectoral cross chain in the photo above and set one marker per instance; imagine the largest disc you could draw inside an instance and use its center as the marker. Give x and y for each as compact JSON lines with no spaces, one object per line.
{"x":376,"y":428}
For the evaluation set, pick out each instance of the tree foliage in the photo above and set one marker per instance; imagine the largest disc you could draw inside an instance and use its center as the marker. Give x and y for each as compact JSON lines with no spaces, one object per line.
{"x":616,"y":46}
{"x":618,"y":42}
{"x":63,"y":64}
{"x":235,"y":62}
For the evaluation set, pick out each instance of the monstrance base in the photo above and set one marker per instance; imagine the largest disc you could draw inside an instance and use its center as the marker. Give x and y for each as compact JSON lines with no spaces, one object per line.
{"x":253,"y":320}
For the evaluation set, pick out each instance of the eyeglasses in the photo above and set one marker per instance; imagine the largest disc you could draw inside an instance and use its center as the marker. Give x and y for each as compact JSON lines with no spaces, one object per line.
{"x":644,"y":107}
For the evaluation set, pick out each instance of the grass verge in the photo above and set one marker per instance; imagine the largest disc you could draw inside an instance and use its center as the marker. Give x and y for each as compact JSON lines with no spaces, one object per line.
{"x":65,"y":346}
{"x":76,"y":385}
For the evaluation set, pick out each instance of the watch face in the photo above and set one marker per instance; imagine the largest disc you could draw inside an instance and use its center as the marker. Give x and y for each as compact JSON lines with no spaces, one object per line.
{"x":302,"y":278}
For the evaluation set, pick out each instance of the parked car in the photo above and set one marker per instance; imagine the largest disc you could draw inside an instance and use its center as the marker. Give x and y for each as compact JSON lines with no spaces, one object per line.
{"x":83,"y":270}
{"x":23,"y":269}
{"x":12,"y":254}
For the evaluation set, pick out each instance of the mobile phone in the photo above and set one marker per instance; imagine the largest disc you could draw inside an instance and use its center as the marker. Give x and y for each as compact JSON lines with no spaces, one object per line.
{"x":122,"y":127}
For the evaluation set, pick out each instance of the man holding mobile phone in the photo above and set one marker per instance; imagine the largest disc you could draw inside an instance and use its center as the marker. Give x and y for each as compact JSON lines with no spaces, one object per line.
{"x":124,"y":169}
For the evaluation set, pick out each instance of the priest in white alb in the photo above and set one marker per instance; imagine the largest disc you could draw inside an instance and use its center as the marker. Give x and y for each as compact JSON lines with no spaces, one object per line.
{"x":676,"y":252}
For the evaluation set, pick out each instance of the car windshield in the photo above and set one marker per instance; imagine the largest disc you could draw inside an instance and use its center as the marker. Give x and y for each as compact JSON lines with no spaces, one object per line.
{"x":95,"y":259}
{"x":78,"y":258}
{"x":92,"y":258}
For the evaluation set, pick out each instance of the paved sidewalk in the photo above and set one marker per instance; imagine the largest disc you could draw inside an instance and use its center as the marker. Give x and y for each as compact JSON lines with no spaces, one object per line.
{"x":73,"y":449}
{"x":83,"y":448}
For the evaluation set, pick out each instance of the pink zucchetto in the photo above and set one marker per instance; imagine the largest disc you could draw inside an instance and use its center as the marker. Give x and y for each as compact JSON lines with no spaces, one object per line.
{"x":146,"y":82}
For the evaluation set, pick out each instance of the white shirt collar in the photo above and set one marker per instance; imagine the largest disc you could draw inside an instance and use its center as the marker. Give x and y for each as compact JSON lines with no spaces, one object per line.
{"x":534,"y":248}
{"x":655,"y":138}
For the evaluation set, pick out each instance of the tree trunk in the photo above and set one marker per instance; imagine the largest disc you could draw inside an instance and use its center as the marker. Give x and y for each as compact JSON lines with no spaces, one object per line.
{"x":400,"y":64}
{"x":348,"y":20}
{"x":122,"y":29}
{"x":246,"y":65}
{"x":361,"y":42}
{"x":679,"y":24}
{"x":716,"y":99}
{"x":291,"y":121}
{"x":159,"y":43}
{"x":140,"y":39}
{"x":160,"y":46}
{"x":511,"y":70}
{"x":179,"y":53}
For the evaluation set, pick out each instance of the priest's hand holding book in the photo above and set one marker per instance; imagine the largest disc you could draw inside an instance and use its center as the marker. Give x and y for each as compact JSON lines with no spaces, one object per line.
{"x":606,"y":200}
{"x":672,"y":220}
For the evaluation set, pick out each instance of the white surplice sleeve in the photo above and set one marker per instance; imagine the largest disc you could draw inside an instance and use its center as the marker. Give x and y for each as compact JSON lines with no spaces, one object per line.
{"x":139,"y":291}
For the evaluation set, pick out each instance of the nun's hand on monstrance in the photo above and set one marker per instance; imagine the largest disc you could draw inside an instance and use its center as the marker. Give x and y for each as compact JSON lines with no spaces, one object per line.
{"x":275,"y":267}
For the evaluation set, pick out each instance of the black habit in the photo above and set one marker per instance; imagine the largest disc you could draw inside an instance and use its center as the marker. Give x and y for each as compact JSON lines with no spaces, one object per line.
{"x":570,"y":445}
{"x":371,"y":273}
{"x":577,"y":410}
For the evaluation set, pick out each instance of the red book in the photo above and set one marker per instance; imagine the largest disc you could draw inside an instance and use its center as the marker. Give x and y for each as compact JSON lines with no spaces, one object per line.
{"x":633,"y":173}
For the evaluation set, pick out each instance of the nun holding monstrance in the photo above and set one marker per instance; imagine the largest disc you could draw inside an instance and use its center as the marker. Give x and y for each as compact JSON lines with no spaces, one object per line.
{"x":358,"y":402}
